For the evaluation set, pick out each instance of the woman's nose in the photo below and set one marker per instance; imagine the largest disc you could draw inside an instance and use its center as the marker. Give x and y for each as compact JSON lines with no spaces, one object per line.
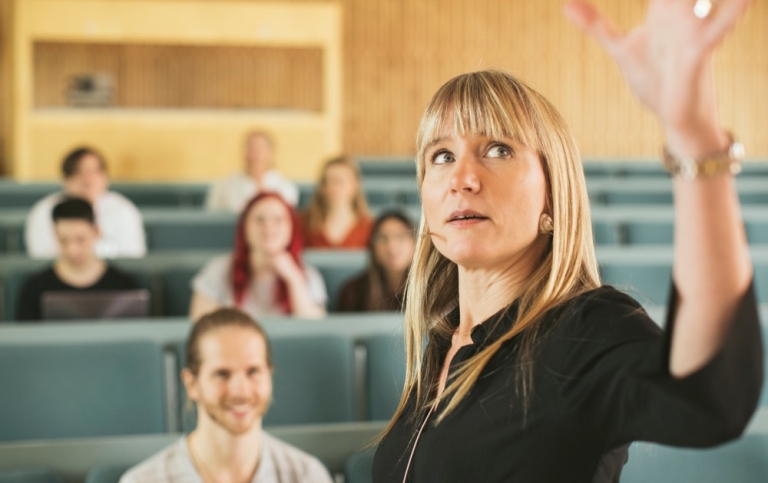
{"x":465,"y":176}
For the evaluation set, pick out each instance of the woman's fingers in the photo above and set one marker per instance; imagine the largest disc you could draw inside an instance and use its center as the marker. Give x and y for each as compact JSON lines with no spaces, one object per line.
{"x":594,"y":23}
{"x":723,"y":17}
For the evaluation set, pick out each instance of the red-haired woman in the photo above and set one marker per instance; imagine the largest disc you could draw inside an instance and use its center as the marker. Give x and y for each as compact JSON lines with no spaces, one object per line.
{"x":265,"y":274}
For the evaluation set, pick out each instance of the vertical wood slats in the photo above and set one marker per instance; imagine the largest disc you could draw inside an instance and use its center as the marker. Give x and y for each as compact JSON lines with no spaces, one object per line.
{"x":398,"y":52}
{"x":164,"y":76}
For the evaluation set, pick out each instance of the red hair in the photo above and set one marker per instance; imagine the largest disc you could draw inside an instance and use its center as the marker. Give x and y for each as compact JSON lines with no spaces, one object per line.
{"x":241,"y":265}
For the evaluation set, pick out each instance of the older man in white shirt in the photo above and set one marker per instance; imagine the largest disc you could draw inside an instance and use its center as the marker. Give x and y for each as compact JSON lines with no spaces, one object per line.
{"x":231,"y":193}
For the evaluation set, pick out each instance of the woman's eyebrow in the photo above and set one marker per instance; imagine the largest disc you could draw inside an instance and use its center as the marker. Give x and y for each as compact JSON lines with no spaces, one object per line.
{"x":433,"y":142}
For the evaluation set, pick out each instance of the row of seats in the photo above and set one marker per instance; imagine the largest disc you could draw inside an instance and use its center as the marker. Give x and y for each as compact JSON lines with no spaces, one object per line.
{"x":88,"y":380}
{"x":593,"y":168}
{"x":743,"y":461}
{"x":643,"y":272}
{"x":393,"y":186}
{"x":169,"y":229}
{"x":339,"y":370}
{"x":168,"y":276}
{"x":104,"y":459}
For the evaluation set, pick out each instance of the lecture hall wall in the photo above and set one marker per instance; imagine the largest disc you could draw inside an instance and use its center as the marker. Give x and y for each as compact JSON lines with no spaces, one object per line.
{"x":396,"y":53}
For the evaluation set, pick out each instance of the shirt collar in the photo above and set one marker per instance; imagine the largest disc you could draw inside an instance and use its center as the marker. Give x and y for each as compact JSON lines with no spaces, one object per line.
{"x":493,"y":328}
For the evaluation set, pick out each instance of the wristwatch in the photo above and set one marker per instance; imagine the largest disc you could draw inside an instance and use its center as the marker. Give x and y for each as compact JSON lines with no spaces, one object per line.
{"x":690,"y":168}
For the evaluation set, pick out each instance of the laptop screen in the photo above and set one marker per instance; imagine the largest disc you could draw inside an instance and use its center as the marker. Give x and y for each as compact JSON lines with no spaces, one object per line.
{"x":107,"y":304}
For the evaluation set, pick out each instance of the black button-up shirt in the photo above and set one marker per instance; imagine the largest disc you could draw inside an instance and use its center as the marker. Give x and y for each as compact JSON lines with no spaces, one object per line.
{"x":600,"y":381}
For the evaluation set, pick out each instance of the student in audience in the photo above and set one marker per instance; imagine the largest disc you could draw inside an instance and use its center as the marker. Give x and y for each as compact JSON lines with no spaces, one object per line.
{"x":390,"y":251}
{"x":232,"y":193}
{"x":120,"y":224}
{"x":265,"y":274}
{"x":521,"y":366}
{"x":338,"y":216}
{"x":228,"y":375}
{"x":77,"y":268}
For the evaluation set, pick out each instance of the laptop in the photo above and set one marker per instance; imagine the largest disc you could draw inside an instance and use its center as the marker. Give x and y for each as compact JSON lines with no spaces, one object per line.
{"x":107,"y":304}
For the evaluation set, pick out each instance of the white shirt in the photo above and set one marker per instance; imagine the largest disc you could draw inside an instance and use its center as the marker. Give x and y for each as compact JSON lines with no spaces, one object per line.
{"x":215,"y":282}
{"x":279,"y":463}
{"x":233,"y":192}
{"x":118,"y":220}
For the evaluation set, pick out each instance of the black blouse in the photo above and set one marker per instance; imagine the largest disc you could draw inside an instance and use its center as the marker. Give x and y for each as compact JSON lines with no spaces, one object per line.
{"x":601,"y":380}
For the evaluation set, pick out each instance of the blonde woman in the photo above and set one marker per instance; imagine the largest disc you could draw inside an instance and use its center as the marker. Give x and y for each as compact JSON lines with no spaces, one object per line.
{"x":338,"y":215}
{"x":532,"y":371}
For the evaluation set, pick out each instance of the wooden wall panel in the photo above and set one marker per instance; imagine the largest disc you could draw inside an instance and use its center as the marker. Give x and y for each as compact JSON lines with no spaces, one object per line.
{"x":398,"y":52}
{"x":5,"y":84}
{"x":163,"y":76}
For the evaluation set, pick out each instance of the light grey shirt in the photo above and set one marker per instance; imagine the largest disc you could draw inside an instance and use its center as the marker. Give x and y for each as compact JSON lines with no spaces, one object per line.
{"x":279,"y":463}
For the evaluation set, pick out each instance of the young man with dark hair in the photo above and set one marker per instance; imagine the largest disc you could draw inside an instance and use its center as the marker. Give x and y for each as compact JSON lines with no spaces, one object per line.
{"x":228,"y":375}
{"x":77,"y":267}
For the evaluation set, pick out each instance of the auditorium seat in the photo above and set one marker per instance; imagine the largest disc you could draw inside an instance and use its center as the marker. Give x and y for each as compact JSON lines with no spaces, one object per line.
{"x":313,"y":380}
{"x":385,"y":375}
{"x":648,"y":233}
{"x":106,"y":473}
{"x":649,"y":283}
{"x":70,"y":390}
{"x":189,"y":230}
{"x":30,"y":475}
{"x":744,"y":461}
{"x":359,"y":466}
{"x":176,"y":290}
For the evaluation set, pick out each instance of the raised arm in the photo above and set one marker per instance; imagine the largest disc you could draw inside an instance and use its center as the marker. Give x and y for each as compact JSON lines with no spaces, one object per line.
{"x":667,"y":61}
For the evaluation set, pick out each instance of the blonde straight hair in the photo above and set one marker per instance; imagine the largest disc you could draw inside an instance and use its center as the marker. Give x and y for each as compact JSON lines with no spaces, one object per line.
{"x":497,"y":105}
{"x":317,"y":211}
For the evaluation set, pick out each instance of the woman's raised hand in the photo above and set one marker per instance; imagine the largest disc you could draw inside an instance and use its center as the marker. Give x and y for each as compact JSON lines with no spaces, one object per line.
{"x":667,"y":60}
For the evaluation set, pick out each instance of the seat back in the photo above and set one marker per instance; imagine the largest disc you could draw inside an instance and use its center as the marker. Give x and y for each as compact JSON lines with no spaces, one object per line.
{"x":105,"y":473}
{"x":743,"y":461}
{"x":176,"y":290}
{"x":358,"y":467}
{"x":30,"y":475}
{"x":79,"y":390}
{"x":313,"y":380}
{"x":385,"y":375}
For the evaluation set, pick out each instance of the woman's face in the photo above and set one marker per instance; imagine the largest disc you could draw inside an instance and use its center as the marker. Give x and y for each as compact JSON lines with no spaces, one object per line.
{"x":483,"y":199}
{"x":268,"y":227}
{"x":393,"y":245}
{"x":339,"y":184}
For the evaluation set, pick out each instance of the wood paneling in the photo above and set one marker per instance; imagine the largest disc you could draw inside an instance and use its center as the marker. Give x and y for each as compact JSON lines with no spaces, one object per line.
{"x":166,"y":76}
{"x":398,"y":52}
{"x":5,"y":84}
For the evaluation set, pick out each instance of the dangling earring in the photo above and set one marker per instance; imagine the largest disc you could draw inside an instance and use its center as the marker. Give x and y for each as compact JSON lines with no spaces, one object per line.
{"x":546,"y":224}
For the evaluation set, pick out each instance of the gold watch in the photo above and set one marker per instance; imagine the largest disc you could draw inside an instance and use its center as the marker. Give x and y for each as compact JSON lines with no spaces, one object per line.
{"x":690,"y":168}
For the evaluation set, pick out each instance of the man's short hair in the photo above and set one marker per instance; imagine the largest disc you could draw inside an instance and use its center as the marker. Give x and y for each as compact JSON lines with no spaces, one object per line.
{"x":218,"y":319}
{"x":72,"y":160}
{"x":72,"y":208}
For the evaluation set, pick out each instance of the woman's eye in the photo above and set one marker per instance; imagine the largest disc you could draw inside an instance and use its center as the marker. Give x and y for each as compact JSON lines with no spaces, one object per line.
{"x":442,"y":157}
{"x":499,"y":151}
